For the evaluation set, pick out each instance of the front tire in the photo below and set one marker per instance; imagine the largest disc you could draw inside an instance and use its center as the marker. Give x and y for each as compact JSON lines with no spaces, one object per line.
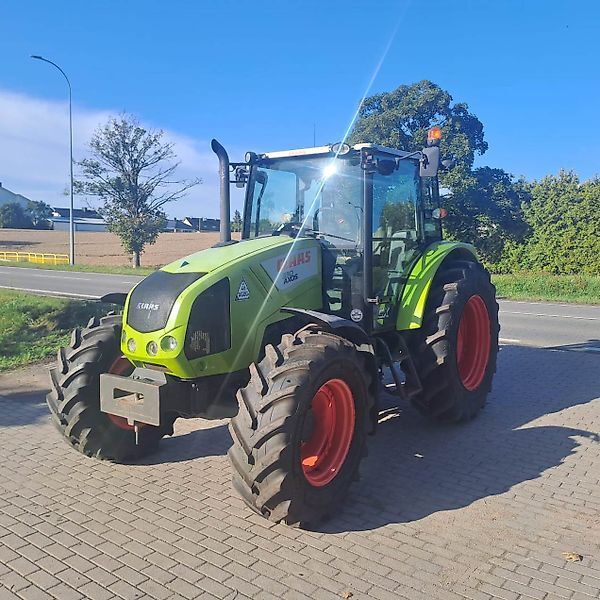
{"x":300,"y":433}
{"x":74,"y":399}
{"x":456,"y":349}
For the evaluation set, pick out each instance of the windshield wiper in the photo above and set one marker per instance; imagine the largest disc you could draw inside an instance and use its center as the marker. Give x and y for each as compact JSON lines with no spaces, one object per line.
{"x":299,"y":229}
{"x":315,"y":233}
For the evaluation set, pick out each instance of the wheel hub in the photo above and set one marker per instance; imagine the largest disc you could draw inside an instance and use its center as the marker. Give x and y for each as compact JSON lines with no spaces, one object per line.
{"x":473,"y":343}
{"x":333,"y":418}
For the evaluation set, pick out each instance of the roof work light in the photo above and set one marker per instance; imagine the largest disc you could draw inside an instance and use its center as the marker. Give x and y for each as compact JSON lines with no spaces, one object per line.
{"x":434,"y":136}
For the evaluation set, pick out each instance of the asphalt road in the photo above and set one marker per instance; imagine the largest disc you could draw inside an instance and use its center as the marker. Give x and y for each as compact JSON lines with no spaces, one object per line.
{"x":65,"y":283}
{"x":541,"y":324}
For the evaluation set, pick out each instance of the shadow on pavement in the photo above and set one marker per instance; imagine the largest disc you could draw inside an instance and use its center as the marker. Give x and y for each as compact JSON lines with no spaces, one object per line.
{"x":592,"y":345}
{"x":416,"y":468}
{"x":212,"y":441}
{"x":23,"y":408}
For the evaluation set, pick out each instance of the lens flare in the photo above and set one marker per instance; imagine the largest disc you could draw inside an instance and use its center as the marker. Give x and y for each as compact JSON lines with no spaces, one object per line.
{"x":329,"y":170}
{"x":260,"y":315}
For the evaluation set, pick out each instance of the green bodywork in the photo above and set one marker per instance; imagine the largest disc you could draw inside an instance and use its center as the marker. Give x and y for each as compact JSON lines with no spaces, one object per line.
{"x":416,"y":288}
{"x":260,"y":304}
{"x":248,"y":317}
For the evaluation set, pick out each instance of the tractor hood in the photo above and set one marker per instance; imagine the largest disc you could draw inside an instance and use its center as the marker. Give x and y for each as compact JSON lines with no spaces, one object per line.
{"x":218,"y":256}
{"x":206,"y":314}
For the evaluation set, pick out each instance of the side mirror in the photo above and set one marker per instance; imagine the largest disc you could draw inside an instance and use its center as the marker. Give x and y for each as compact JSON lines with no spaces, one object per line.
{"x":240,"y":176}
{"x":386,"y":167}
{"x":430,"y":161}
{"x":261,"y":177}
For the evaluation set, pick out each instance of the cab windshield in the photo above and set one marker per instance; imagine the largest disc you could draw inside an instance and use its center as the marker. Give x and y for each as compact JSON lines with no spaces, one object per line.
{"x":316,"y":196}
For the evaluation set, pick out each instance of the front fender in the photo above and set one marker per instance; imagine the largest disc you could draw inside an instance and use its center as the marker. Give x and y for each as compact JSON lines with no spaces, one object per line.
{"x":416,"y":290}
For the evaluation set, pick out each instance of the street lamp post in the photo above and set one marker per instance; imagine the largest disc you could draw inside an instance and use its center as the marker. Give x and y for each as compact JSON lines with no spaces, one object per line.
{"x":71,"y":223}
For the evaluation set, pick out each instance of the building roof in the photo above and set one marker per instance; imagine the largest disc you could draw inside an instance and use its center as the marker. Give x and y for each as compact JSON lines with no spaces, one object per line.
{"x":78,"y":213}
{"x":177,"y":224}
{"x":201,"y":223}
{"x":7,"y":196}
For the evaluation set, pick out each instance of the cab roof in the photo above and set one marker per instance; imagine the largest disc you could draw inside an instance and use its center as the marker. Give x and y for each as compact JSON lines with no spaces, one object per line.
{"x":322,"y":150}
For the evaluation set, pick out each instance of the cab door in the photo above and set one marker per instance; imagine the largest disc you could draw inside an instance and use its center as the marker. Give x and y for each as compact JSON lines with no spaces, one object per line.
{"x":395,"y":236}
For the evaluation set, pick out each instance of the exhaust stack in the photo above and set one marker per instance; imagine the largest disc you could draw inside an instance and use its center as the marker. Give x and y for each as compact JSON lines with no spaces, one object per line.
{"x":225,"y":225}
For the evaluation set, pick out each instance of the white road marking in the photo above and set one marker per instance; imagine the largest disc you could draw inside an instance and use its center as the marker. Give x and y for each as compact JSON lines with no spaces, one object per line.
{"x":512,"y":312}
{"x":73,"y":274}
{"x":50,"y":292}
{"x":509,"y":341}
{"x":43,"y":275}
{"x":567,"y":304}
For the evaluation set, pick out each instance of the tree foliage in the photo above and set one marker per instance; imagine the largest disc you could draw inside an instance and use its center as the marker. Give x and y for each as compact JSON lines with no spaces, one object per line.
{"x":131,"y":170}
{"x":551,"y":225}
{"x":236,"y":224}
{"x":401,"y":118}
{"x":485,"y":208}
{"x":564,"y":217}
{"x":39,"y":213}
{"x":14,"y":216}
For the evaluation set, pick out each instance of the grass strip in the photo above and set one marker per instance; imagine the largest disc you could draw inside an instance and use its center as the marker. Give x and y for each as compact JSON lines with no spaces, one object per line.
{"x":550,"y":288}
{"x":32,"y":328}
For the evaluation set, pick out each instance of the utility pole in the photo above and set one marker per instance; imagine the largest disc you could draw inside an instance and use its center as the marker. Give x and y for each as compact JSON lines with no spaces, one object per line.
{"x":71,"y":221}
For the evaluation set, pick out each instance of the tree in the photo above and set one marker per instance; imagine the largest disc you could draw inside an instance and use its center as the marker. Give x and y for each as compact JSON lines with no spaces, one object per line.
{"x":236,"y":224}
{"x":401,"y":118}
{"x":39,"y":212}
{"x":131,"y":171}
{"x":485,"y":207}
{"x":564,"y":216}
{"x":13,"y":216}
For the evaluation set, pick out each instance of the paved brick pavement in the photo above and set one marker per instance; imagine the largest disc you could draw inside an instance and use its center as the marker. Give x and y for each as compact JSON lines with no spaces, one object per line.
{"x":479,"y":511}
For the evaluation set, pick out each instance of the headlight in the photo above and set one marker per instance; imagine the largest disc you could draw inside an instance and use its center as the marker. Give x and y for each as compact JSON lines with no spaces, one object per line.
{"x":152,"y":348}
{"x":131,"y":345}
{"x":209,"y":329}
{"x":168,"y":343}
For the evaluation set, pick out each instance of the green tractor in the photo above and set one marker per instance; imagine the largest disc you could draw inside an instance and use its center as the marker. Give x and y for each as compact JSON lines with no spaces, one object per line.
{"x":340,"y":289}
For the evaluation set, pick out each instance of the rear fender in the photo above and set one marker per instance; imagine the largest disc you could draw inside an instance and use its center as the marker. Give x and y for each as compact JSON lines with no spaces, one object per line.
{"x":416,"y":290}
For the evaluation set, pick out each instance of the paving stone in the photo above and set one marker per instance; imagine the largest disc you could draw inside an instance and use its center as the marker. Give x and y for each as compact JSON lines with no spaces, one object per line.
{"x":484,"y":511}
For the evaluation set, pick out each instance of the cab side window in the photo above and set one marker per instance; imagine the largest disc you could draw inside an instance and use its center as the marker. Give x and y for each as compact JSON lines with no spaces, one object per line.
{"x":395,"y":232}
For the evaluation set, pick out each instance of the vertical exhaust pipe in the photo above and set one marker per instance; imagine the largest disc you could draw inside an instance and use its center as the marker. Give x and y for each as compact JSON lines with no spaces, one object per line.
{"x":225,"y":225}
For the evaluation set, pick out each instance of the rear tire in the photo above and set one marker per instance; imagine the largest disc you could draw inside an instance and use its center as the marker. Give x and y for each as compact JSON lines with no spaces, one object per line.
{"x":293,"y":455}
{"x":74,"y":400}
{"x":455,"y":351}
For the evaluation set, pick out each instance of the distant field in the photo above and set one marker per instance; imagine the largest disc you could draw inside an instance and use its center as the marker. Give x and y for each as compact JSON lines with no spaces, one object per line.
{"x":105,"y":248}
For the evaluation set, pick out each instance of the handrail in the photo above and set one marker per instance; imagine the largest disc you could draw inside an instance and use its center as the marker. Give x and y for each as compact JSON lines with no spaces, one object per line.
{"x":34,"y":257}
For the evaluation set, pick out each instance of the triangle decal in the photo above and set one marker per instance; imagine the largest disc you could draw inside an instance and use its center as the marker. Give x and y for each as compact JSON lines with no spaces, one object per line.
{"x":243,"y":292}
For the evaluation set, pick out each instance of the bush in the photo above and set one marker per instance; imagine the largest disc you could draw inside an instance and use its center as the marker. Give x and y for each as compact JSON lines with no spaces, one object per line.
{"x":14,"y":216}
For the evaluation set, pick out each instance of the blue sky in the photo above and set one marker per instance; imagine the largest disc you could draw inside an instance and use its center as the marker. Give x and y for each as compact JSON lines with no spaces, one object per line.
{"x":259,"y":75}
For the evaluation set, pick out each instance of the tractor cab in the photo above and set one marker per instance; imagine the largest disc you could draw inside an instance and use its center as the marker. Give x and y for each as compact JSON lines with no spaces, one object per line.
{"x":373,"y":210}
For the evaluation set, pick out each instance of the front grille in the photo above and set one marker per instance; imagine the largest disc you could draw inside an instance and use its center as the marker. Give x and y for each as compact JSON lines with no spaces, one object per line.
{"x":209,"y":329}
{"x":153,"y":298}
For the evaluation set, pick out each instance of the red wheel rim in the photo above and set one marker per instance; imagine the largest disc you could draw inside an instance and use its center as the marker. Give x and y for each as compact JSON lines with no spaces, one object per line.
{"x":473,"y":343}
{"x":323,"y":455}
{"x":121,"y":366}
